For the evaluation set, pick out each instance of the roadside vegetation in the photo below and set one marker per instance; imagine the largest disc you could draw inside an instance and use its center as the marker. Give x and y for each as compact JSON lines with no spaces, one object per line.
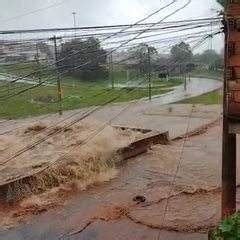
{"x":214,"y":97}
{"x":205,"y":73}
{"x":76,"y":94}
{"x":99,"y":81}
{"x":228,"y":229}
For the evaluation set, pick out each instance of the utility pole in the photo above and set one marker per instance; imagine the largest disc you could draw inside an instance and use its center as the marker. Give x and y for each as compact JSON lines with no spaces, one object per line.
{"x":38,"y":63}
{"x":180,"y":72}
{"x":185,"y":82}
{"x":231,"y":108}
{"x":128,"y":78}
{"x":74,"y":23}
{"x":59,"y":88}
{"x":149,"y":74}
{"x":211,"y":38}
{"x":111,"y":70}
{"x":75,"y":36}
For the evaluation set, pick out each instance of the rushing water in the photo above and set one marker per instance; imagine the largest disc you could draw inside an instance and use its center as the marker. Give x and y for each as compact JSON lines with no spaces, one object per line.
{"x":195,"y":87}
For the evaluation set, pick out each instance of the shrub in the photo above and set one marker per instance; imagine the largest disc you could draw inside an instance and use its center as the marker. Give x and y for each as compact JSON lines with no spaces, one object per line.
{"x":228,"y":229}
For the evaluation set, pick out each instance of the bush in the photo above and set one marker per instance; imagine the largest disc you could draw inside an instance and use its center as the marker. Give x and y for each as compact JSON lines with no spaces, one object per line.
{"x":229,"y":229}
{"x":100,"y":73}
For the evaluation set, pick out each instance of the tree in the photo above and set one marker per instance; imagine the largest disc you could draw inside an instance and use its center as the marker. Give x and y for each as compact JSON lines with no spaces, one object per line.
{"x":181,"y":53}
{"x":140,"y":53}
{"x":210,"y":58}
{"x":84,"y":58}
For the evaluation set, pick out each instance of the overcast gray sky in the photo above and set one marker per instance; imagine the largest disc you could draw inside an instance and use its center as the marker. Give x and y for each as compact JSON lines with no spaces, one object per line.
{"x":95,"y":12}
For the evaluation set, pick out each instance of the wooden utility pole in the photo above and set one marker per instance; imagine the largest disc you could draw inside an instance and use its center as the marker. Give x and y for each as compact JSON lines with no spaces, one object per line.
{"x":149,"y":75}
{"x":231,"y":106}
{"x":59,"y":88}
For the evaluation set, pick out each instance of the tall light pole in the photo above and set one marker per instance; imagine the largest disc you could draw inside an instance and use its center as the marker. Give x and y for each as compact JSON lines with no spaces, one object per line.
{"x":74,"y":22}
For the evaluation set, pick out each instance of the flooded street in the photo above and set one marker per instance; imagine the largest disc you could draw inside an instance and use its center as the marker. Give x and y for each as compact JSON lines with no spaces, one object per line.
{"x":189,"y":204}
{"x":9,"y":78}
{"x":195,"y":87}
{"x":180,"y":182}
{"x":113,"y":119}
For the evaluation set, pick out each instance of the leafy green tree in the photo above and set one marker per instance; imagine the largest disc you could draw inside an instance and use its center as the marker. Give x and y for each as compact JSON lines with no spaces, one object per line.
{"x":140,"y":54}
{"x":181,"y":53}
{"x":83,"y":58}
{"x":210,"y":58}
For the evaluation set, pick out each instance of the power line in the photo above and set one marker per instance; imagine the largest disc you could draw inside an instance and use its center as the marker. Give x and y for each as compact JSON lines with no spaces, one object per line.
{"x":168,"y":39}
{"x":54,"y":132}
{"x":138,"y":24}
{"x":50,"y":134}
{"x":188,"y":36}
{"x":46,"y":81}
{"x":87,"y":139}
{"x":33,"y":12}
{"x":114,"y":34}
{"x":100,"y":34}
{"x":175,"y":30}
{"x":173,"y":182}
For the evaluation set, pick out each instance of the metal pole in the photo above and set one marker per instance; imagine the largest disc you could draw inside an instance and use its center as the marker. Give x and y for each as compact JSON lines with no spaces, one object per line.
{"x":185,"y":82}
{"x":111,"y":70}
{"x":38,"y":63}
{"x":149,"y":76}
{"x":59,"y":88}
{"x":128,"y":75}
{"x":74,"y":22}
{"x":211,"y":38}
{"x":75,"y":35}
{"x":228,"y":148}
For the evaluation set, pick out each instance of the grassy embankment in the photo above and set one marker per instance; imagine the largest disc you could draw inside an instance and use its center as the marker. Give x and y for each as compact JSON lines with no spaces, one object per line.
{"x":214,"y":97}
{"x":204,"y":73}
{"x":77,"y":93}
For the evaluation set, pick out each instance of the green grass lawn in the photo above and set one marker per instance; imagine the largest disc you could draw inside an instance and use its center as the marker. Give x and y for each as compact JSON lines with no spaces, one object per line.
{"x":214,"y":97}
{"x":77,"y":93}
{"x":42,"y":100}
{"x":203,"y":73}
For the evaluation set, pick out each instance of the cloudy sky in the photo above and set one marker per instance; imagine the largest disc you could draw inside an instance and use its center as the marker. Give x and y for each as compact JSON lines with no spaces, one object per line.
{"x":28,"y":14}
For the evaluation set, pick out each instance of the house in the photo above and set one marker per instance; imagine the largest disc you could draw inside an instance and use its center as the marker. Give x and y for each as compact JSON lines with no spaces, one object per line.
{"x":15,"y":52}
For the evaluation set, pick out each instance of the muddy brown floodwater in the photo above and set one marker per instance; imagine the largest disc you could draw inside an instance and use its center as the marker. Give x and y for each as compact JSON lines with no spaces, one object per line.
{"x":107,"y":211}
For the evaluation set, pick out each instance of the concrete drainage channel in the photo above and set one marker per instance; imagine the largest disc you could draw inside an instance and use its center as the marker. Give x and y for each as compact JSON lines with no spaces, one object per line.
{"x":134,"y":149}
{"x":142,"y":145}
